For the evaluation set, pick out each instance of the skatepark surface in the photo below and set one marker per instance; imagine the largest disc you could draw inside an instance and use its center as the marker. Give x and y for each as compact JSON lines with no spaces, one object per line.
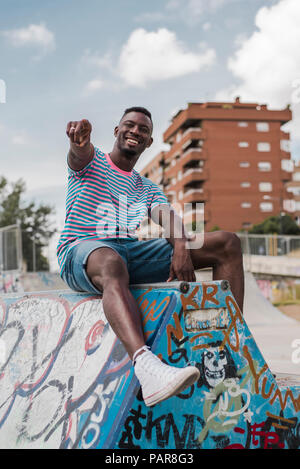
{"x":273,"y":332}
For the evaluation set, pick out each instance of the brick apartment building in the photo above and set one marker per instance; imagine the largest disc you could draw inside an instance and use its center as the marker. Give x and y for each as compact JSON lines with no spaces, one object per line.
{"x":293,"y":187}
{"x":233,"y":157}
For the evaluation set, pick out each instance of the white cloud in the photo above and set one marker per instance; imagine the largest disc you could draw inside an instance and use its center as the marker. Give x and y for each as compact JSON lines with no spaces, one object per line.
{"x":197,"y":7}
{"x":191,"y":11}
{"x":93,"y":86}
{"x":97,"y":60}
{"x":206,"y":26}
{"x":20,"y":139}
{"x":152,"y":56}
{"x":34,"y":35}
{"x":267,"y":64}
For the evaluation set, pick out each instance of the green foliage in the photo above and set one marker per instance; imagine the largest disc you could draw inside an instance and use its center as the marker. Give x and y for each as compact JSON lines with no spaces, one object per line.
{"x":35,"y":221}
{"x":215,"y":228}
{"x":277,"y":224}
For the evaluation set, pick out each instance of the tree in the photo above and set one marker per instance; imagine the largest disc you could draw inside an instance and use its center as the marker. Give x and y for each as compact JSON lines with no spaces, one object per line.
{"x":280,"y":224}
{"x":34,"y":221}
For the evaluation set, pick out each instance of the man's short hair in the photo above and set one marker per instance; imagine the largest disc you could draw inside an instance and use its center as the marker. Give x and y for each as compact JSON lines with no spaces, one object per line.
{"x":143,"y":110}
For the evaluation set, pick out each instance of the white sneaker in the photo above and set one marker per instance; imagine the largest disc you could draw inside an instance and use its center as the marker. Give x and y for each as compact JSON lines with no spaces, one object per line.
{"x":160,"y":381}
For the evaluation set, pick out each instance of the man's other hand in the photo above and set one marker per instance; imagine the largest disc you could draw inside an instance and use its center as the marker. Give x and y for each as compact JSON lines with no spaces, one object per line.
{"x":181,"y":266}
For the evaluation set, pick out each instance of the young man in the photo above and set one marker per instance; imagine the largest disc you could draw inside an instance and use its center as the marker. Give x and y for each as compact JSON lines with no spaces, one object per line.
{"x":98,"y":253}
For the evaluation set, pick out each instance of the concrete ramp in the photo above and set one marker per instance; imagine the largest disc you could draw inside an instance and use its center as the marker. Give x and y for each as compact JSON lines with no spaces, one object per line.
{"x":67,"y":382}
{"x":276,"y":335}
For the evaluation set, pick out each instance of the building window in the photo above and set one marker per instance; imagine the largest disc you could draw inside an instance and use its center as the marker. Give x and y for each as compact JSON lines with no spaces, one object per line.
{"x":264,"y":166}
{"x":243,"y":144}
{"x":242,"y":124}
{"x":245,"y":204}
{"x":287,"y":165}
{"x":262,"y":127}
{"x":266,"y":207}
{"x":289,"y":205}
{"x":245,"y":184}
{"x":263,"y":146}
{"x":285,"y":145}
{"x":296,"y":176}
{"x":244,"y":164}
{"x":265,"y":187}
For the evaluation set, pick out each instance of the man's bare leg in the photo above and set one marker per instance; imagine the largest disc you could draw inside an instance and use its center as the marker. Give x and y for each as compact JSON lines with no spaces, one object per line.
{"x":108,"y":272}
{"x":158,"y":380}
{"x":222,"y":251}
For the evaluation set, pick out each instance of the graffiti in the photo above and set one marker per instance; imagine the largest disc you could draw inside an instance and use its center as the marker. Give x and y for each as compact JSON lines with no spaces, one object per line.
{"x":67,"y":382}
{"x":159,"y":430}
{"x":10,"y":282}
{"x":216,"y":365}
{"x":274,"y":391}
{"x":220,"y":411}
{"x":59,"y":356}
{"x":208,"y":319}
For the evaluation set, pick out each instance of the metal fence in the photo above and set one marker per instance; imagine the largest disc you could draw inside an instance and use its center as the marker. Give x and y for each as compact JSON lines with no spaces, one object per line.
{"x":10,"y":248}
{"x":270,"y":245}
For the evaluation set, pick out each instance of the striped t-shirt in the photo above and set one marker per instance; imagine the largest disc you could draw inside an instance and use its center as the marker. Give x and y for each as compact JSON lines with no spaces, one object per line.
{"x":103,"y":201}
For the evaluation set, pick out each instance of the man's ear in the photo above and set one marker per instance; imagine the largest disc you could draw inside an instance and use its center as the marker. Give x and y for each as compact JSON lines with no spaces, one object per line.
{"x":150,"y":142}
{"x":116,"y":131}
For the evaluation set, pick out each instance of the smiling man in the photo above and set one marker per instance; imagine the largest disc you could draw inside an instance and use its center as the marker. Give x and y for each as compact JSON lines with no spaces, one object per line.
{"x":98,"y":250}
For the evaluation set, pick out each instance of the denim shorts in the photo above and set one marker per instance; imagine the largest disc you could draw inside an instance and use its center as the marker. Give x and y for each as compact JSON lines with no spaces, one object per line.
{"x":147,"y":261}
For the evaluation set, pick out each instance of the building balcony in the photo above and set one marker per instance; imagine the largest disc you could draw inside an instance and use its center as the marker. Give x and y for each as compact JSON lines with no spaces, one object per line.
{"x":285,"y":175}
{"x":195,"y":195}
{"x":193,"y":133}
{"x":193,"y":175}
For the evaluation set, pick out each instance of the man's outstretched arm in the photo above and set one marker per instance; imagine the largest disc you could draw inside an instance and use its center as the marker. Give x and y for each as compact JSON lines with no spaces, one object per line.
{"x":81,"y":149}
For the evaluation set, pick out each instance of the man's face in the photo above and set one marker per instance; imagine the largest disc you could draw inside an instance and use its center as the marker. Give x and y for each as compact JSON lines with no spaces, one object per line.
{"x":133,"y":134}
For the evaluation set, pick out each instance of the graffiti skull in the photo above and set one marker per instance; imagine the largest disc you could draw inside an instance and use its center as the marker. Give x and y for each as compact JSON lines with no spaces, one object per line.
{"x":215,"y":361}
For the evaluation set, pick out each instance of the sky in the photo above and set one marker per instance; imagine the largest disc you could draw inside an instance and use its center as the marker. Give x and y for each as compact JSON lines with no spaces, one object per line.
{"x":63,"y":60}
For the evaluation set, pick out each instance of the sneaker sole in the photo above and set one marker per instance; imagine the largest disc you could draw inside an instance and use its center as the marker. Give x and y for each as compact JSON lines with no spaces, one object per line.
{"x":181,"y":383}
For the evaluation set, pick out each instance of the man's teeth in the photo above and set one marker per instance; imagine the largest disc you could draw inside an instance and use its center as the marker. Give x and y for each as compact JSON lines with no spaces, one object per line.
{"x":134,"y":142}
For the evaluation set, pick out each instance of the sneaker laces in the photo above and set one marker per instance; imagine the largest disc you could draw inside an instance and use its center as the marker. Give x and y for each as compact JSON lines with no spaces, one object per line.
{"x":155,"y":367}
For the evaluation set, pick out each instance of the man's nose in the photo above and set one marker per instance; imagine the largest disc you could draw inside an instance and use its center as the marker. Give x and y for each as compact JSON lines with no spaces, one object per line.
{"x":135,"y":130}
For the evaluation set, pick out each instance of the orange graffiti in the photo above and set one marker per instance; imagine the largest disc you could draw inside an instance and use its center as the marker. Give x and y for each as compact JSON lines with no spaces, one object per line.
{"x":288,"y":394}
{"x":255,"y":375}
{"x":176,"y":331}
{"x":233,"y":324}
{"x":277,"y":392}
{"x":209,"y":296}
{"x":203,"y":334}
{"x":189,"y":300}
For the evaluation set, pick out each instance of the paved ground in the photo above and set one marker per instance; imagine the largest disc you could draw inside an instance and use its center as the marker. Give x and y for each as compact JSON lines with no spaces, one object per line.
{"x":273,"y":331}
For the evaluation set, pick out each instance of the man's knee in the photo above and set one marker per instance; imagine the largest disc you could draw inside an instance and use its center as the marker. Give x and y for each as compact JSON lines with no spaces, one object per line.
{"x":231,"y":244}
{"x":107,"y":268}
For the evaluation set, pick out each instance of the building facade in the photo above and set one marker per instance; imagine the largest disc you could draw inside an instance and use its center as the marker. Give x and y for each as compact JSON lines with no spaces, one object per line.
{"x":293,"y":187}
{"x":232,"y":158}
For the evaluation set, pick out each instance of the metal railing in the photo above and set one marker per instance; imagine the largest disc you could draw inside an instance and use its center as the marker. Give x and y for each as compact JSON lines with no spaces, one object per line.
{"x":270,"y":245}
{"x":10,"y":248}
